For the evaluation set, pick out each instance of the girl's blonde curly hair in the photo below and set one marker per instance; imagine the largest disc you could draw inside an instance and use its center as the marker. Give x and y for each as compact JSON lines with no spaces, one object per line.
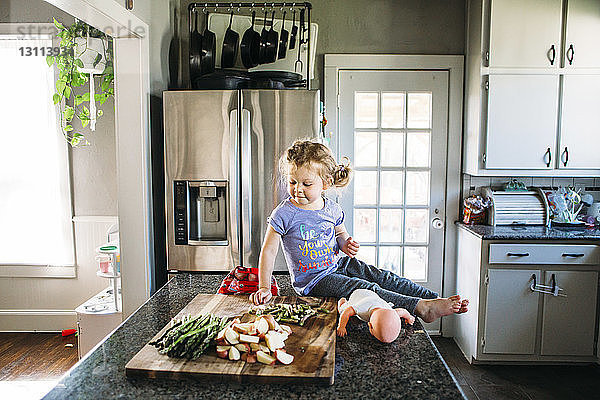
{"x":318,"y":156}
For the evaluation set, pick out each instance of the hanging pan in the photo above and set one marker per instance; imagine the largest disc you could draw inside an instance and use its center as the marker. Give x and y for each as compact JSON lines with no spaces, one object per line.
{"x":208,"y":50}
{"x":250,"y":46}
{"x":272,"y":41}
{"x":230,"y":46}
{"x":294,"y":33}
{"x":283,"y":40}
{"x":195,"y":47}
{"x":264,"y":38}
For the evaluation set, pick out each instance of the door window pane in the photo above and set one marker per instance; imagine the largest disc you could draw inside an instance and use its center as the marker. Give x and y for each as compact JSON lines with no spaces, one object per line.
{"x":392,"y":149}
{"x":418,"y":149}
{"x":367,"y":254}
{"x":390,"y":258}
{"x":392,"y":110}
{"x":391,"y":187}
{"x":365,"y":187}
{"x":415,"y":263}
{"x":419,"y":110}
{"x":364,"y":224}
{"x":365,"y":149}
{"x":391,"y":223}
{"x":417,"y":226}
{"x":365,"y":109}
{"x":417,"y":188}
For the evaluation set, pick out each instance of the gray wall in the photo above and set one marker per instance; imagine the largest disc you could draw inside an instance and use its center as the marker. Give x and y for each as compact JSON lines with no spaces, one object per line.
{"x":380,"y":27}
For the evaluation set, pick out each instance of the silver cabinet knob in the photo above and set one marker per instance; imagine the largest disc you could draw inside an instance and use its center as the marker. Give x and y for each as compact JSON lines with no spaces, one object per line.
{"x":437,"y":223}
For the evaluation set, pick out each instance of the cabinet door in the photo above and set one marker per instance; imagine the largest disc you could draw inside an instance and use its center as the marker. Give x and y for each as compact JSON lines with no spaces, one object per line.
{"x":511,"y":312}
{"x":580,"y":122}
{"x":568,"y":323}
{"x":521,"y":121}
{"x":582,"y":47}
{"x":522,"y":33}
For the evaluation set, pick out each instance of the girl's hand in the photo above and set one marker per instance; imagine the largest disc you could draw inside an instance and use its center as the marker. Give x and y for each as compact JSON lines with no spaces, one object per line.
{"x":341,"y":331}
{"x":350,"y":247}
{"x":262,"y":296}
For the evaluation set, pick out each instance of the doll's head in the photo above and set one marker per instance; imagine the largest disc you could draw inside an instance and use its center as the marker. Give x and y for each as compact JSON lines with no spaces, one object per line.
{"x":385,"y":324}
{"x":317,"y":157}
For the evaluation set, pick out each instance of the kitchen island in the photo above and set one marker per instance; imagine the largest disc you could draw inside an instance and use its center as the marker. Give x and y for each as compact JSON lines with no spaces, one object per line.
{"x":411,"y":367}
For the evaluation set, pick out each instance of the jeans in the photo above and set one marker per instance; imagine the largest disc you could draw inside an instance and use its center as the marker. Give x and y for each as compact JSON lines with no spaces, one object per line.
{"x":353,"y":274}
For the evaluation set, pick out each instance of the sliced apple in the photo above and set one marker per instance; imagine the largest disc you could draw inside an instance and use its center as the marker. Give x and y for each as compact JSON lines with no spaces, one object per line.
{"x":223,"y":351}
{"x":231,"y":336}
{"x":221,"y":342}
{"x":234,"y":354}
{"x":274,"y":341}
{"x":252,"y":330}
{"x":264,"y":348}
{"x":251,"y":358}
{"x":262,"y":325}
{"x":243,"y":347}
{"x":264,"y":358}
{"x":273,"y":325}
{"x":249,"y":339}
{"x":223,"y":348}
{"x":283,"y":357}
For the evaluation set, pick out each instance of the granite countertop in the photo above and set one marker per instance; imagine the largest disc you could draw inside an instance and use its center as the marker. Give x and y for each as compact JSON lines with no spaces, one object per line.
{"x":410,"y":367}
{"x":532,"y":232}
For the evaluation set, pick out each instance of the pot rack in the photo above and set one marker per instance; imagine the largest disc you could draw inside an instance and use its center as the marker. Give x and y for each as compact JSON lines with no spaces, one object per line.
{"x":238,"y":7}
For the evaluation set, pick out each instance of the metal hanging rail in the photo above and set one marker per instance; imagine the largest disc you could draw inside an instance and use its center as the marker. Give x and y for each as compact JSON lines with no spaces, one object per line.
{"x":230,"y":6}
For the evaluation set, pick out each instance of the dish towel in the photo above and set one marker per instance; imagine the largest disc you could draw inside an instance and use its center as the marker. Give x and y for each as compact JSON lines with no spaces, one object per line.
{"x":241,"y":280}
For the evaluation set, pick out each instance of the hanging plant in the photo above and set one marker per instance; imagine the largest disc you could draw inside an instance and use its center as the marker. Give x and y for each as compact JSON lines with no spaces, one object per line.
{"x":85,"y":52}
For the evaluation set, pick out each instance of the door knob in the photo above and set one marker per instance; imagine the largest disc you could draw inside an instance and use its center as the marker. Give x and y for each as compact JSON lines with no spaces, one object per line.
{"x":437,"y":223}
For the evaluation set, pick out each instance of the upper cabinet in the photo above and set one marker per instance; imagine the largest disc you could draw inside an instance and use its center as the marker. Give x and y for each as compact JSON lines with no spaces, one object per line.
{"x":531,"y":88}
{"x":524,"y":34}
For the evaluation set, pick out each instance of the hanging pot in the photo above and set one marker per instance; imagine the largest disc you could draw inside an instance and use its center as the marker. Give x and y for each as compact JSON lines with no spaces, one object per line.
{"x":250,"y":46}
{"x":272,"y":41}
{"x":174,"y":53}
{"x":195,"y":48}
{"x":208,"y":50}
{"x":283,"y":40}
{"x":222,"y":79}
{"x":91,"y":52}
{"x":230,"y":46}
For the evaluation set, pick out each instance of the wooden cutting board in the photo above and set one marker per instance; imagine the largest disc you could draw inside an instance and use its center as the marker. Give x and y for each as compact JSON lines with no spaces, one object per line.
{"x":313,"y":347}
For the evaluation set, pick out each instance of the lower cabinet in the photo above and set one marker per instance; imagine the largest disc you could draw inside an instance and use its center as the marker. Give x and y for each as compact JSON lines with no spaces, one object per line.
{"x":527,"y":312}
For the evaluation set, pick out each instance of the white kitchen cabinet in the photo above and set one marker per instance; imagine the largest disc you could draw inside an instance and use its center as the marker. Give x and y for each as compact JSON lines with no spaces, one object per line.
{"x":532,"y":66}
{"x":521,"y":121}
{"x":524,"y":34}
{"x":511,"y":312}
{"x":568,"y":323}
{"x":581,"y":45}
{"x":507,"y":320}
{"x":580,"y":123}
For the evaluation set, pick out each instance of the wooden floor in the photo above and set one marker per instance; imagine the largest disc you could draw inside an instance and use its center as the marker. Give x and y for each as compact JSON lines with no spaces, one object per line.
{"x":35,"y":356}
{"x":499,"y":382}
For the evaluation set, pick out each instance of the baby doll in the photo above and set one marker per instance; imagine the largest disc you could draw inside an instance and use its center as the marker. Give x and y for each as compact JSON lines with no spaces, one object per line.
{"x":384,"y":321}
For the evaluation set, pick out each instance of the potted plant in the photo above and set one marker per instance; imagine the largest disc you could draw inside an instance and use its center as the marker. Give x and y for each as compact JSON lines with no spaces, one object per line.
{"x":85,"y":52}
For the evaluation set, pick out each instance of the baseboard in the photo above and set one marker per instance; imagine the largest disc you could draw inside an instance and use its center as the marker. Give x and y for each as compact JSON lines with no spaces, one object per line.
{"x":37,"y":320}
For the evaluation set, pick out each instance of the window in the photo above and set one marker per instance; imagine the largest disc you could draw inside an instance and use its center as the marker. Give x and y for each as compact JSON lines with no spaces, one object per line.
{"x":35,"y":200}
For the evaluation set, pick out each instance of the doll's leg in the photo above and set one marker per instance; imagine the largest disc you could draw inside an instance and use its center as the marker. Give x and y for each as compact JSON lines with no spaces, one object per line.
{"x":355,"y":268}
{"x":339,"y":286}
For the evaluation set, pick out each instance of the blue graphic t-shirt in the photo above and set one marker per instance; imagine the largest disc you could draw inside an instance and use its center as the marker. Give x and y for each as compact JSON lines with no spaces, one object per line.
{"x":308,"y":241}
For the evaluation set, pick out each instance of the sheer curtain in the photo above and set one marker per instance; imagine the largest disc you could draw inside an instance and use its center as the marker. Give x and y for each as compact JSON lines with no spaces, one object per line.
{"x":35,"y":200}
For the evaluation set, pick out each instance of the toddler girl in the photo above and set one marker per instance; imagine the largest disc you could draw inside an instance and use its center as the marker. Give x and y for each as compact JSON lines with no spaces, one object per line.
{"x":311,"y":230}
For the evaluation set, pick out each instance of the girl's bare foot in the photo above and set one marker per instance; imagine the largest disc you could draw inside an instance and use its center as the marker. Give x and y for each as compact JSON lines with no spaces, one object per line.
{"x":341,"y":302}
{"x":431,"y":309}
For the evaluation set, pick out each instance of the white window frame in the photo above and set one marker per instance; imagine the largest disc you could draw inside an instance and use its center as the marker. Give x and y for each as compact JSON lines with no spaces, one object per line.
{"x":454,"y":64}
{"x":26,"y":270}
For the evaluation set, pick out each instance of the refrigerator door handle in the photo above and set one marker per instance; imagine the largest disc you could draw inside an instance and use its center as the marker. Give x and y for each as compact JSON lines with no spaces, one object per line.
{"x":234,"y":184}
{"x":246,"y":173}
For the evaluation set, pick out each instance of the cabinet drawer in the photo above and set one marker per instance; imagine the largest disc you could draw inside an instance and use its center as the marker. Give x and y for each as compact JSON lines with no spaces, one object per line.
{"x":543,"y":254}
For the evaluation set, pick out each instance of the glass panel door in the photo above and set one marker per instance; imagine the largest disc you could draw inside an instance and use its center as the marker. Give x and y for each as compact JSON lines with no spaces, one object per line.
{"x":393,"y":126}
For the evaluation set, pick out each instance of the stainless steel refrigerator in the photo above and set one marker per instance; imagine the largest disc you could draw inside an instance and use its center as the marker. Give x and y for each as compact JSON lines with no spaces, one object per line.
{"x":222,"y":180}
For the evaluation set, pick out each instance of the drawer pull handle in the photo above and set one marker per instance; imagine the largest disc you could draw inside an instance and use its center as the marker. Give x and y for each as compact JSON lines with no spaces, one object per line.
{"x":554,"y":289}
{"x":517,"y":254}
{"x":574,"y":255}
